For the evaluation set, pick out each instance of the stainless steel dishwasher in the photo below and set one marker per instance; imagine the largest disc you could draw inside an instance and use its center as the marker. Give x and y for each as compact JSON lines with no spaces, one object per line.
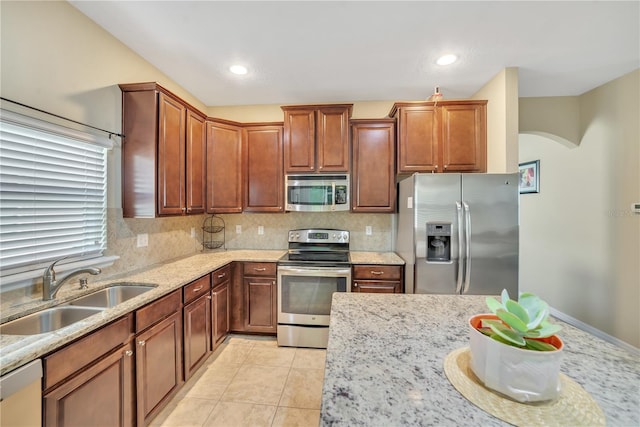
{"x":21,"y":396}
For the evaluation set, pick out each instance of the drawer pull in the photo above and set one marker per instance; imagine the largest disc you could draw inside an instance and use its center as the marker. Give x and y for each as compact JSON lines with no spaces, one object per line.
{"x":377,"y":273}
{"x":198,"y":289}
{"x":128,"y":353}
{"x":220,"y":276}
{"x":259,"y":269}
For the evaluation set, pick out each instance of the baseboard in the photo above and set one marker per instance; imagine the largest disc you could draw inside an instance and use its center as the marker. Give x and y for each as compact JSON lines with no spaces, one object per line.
{"x":594,"y":331}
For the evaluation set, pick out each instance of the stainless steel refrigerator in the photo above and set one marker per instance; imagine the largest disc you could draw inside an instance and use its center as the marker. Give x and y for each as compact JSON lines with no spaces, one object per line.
{"x":458,"y":233}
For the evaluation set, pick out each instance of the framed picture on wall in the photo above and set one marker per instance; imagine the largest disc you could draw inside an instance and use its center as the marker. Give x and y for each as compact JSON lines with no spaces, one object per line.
{"x":529,"y":177}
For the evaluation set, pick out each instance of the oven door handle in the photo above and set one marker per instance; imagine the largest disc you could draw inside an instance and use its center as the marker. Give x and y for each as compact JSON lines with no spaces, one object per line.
{"x":314,"y":271}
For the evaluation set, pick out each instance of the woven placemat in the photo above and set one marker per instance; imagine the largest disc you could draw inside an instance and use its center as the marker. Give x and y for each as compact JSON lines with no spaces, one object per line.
{"x":573,"y":407}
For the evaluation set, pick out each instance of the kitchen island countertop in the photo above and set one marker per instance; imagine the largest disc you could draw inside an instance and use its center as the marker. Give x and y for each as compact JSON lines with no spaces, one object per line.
{"x":385,"y":364}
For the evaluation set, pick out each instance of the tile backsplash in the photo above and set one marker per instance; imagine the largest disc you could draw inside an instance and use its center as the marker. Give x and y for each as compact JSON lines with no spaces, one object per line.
{"x":170,"y":237}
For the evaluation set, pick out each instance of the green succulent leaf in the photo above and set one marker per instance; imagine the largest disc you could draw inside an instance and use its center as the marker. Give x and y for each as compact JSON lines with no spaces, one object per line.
{"x":515,"y":308}
{"x":494,"y":305}
{"x":504,"y":296}
{"x":507,"y":334}
{"x":538,"y":345}
{"x":540,"y":317}
{"x":512,"y":320}
{"x":502,"y":340}
{"x":545,"y":331}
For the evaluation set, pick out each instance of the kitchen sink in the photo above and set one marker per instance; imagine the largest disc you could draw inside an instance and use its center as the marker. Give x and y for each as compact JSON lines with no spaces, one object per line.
{"x":48,"y":320}
{"x":111,"y":296}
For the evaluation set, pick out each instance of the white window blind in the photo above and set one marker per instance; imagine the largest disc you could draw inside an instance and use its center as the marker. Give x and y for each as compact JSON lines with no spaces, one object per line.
{"x":53,"y":192}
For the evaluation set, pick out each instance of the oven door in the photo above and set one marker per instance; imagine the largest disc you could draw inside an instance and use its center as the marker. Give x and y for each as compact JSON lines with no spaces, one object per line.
{"x":304,"y":293}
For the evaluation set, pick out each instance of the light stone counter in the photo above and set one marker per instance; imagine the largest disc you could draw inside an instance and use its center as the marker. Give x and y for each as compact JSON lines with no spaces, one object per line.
{"x":375,"y":258}
{"x":385,"y":364}
{"x":19,"y":350}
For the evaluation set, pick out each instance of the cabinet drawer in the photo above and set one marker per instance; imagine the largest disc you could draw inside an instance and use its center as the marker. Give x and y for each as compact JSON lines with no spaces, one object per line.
{"x":221,"y":275}
{"x":377,"y":272}
{"x":158,"y":310}
{"x":196,"y":288}
{"x":259,"y":269}
{"x":74,"y":357}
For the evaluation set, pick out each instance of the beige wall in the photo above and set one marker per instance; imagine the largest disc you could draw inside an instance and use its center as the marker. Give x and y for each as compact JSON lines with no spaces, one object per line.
{"x":556,"y":118}
{"x":501,"y":92}
{"x":580,"y":243}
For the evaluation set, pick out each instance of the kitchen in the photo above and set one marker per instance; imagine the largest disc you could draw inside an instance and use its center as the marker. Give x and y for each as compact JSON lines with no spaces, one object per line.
{"x":69,"y":84}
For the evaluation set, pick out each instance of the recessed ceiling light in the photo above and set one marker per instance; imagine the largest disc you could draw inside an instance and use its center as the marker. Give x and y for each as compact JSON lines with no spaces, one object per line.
{"x":447,"y":59}
{"x":238,"y":69}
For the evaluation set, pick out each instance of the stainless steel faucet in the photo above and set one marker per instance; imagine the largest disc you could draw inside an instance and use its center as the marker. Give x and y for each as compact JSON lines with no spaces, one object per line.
{"x":51,"y":286}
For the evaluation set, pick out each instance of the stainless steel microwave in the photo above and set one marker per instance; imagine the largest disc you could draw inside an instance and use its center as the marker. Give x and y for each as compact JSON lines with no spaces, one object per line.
{"x":317,"y":193}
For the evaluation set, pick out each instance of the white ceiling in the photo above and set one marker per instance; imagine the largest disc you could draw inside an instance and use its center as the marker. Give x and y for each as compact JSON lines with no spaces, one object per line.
{"x":301,"y":52}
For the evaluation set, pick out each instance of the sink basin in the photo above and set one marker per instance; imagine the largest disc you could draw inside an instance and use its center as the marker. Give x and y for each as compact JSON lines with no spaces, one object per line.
{"x":111,"y":296}
{"x":47,"y":320}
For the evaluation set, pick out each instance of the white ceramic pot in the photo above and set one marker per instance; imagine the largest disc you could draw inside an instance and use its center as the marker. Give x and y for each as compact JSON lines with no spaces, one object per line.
{"x":523,"y":375}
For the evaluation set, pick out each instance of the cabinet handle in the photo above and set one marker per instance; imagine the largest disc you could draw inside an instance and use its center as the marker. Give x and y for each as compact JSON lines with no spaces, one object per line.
{"x":259,"y":269}
{"x":128,"y":353}
{"x":214,"y":294}
{"x":273,"y":282}
{"x":141,"y":343}
{"x":184,"y":209}
{"x":197,"y":289}
{"x":220,"y":276}
{"x":209,"y":296}
{"x":445,"y":167}
{"x":377,"y":273}
{"x":355,"y":285}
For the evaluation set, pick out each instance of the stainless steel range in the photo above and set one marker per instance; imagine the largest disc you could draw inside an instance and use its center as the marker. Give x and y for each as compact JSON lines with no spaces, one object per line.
{"x":315,"y":266}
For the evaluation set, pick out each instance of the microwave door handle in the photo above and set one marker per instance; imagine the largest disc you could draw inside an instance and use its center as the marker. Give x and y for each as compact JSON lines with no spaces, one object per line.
{"x":333,"y":195}
{"x":460,"y":245}
{"x":467,"y":233}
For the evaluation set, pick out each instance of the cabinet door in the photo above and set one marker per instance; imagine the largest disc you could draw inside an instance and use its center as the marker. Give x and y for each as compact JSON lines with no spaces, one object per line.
{"x":220,"y":313}
{"x":299,"y":140}
{"x":332,"y":139}
{"x":373,"y":186}
{"x":464,"y":137}
{"x":260,"y":304}
{"x":264,"y":190}
{"x":195,"y":166}
{"x":224,"y":168}
{"x":102,"y":395}
{"x":417,"y":139}
{"x":380,"y":287}
{"x":197,"y":334}
{"x":171,"y":156}
{"x":158,"y":366}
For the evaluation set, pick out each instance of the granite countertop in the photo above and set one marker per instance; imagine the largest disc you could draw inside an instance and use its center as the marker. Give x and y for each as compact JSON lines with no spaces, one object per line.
{"x":385,"y":364}
{"x":17,"y":350}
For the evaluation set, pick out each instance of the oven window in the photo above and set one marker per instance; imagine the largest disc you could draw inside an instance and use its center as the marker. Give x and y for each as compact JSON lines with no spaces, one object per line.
{"x":310,"y":295}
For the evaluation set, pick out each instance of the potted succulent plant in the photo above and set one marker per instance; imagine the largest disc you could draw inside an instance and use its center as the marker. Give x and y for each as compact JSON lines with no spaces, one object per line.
{"x":515,"y":350}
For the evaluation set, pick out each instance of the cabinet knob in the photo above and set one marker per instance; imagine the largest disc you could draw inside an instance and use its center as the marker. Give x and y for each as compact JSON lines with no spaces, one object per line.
{"x":209,"y":296}
{"x":184,"y":209}
{"x":445,"y":167}
{"x":128,"y":353}
{"x":355,"y":285}
{"x":214,"y":294}
{"x":141,"y":343}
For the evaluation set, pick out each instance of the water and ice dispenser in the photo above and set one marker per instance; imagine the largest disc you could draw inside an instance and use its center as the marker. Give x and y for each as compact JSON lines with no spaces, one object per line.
{"x":439,"y":241}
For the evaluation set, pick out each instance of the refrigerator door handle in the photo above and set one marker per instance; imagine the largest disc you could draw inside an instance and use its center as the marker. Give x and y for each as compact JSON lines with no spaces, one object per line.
{"x":467,"y":243}
{"x":460,"y":243}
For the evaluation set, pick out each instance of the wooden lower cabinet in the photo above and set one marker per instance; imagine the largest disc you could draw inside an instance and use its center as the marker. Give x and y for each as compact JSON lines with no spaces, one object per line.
{"x":197,"y":334}
{"x":102,"y":395}
{"x":220,"y":313}
{"x":260,"y":299}
{"x":377,"y":278}
{"x":158,"y":366}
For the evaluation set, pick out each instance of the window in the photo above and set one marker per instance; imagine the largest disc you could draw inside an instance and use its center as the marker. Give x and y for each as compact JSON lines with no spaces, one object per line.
{"x":53,"y":193}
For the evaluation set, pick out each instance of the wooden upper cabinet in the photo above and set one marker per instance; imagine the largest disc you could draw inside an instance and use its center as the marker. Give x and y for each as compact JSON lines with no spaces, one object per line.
{"x":449,"y":136}
{"x":163,"y":150}
{"x":464,"y":137}
{"x":196,"y":162}
{"x":263,"y":184}
{"x":373,"y":185}
{"x":224,"y":167}
{"x":316,"y":138}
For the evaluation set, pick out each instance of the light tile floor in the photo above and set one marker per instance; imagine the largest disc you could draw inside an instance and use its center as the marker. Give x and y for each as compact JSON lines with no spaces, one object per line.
{"x":250,"y":381}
